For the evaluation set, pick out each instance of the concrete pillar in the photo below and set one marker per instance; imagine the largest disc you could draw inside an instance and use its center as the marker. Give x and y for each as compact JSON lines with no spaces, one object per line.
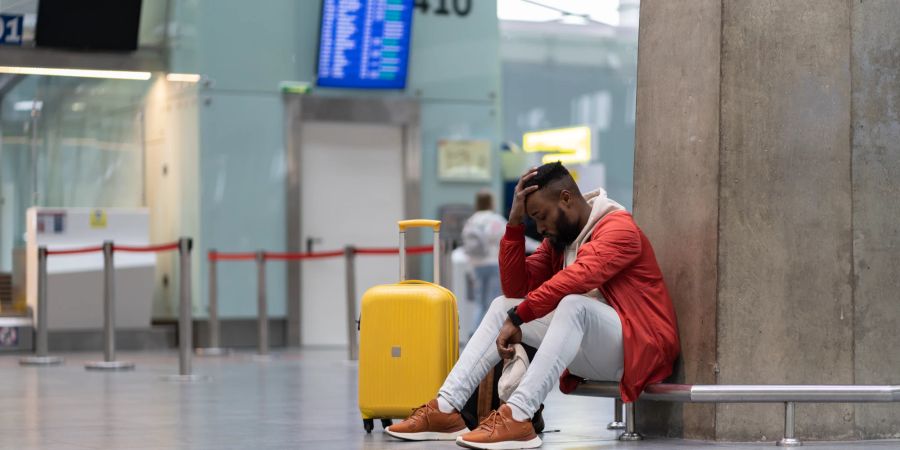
{"x":767,"y":168}
{"x":676,"y":185}
{"x":875,"y":119}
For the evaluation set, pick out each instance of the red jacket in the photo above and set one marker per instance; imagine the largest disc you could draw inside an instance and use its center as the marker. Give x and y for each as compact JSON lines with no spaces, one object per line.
{"x":619,"y":261}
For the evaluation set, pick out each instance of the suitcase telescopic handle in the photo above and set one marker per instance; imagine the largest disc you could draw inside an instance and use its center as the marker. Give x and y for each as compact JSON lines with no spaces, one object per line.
{"x":421,"y":223}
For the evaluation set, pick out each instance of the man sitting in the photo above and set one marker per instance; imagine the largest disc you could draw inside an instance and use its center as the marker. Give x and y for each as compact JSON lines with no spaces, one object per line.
{"x":591,"y":299}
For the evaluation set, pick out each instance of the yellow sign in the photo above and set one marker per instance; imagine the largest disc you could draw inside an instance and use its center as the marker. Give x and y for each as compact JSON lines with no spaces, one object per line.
{"x":98,"y":218}
{"x":566,"y":145}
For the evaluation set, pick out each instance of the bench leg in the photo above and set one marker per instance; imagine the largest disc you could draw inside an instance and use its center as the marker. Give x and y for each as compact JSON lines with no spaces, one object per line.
{"x":789,"y":440}
{"x":630,"y":434}
{"x":617,"y":423}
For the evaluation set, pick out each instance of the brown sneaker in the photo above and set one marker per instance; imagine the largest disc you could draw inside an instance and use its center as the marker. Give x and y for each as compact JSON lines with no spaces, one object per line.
{"x":428,"y":423}
{"x":499,"y":431}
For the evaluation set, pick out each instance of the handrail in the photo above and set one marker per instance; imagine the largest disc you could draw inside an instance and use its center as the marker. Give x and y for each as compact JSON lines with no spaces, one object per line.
{"x":750,"y":393}
{"x":788,"y":394}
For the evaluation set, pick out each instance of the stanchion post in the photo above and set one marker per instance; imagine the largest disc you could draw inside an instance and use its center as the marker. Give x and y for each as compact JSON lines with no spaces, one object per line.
{"x":447,"y":263}
{"x":213,"y":324}
{"x":109,"y":316}
{"x":350,"y":264}
{"x":185,"y":316}
{"x":262,"y":309}
{"x":109,"y":303}
{"x":213,"y":303}
{"x":41,"y":347}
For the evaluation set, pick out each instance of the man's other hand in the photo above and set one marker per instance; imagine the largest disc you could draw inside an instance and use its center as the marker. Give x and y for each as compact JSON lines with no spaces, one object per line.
{"x":510,"y":335}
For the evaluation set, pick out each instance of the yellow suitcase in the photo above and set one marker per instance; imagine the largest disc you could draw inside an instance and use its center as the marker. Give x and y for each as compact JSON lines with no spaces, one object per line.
{"x":408,"y":340}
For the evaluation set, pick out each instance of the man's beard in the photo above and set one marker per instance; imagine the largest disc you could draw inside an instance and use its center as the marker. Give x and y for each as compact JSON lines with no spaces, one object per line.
{"x":566,"y":232}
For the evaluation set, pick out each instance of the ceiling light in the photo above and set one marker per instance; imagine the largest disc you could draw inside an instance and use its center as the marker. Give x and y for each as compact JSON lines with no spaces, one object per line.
{"x":183,"y":77}
{"x":83,"y":73}
{"x":28,"y":105}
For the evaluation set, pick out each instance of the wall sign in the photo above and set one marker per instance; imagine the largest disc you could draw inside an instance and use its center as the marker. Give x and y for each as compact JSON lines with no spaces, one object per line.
{"x":51,"y":222}
{"x":364,"y":44}
{"x":11,"y":34}
{"x":567,"y":145}
{"x":464,"y":160}
{"x":460,"y":8}
{"x":98,"y":218}
{"x":9,"y":337}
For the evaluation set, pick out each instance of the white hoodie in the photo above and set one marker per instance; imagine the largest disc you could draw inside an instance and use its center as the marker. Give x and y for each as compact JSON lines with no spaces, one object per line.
{"x":601,"y":205}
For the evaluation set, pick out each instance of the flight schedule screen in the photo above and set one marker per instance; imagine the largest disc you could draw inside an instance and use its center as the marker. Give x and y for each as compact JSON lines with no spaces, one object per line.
{"x":364,"y":43}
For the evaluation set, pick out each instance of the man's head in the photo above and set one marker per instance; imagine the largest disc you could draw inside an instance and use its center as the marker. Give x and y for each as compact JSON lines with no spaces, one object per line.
{"x":484,"y":200}
{"x":557,"y":206}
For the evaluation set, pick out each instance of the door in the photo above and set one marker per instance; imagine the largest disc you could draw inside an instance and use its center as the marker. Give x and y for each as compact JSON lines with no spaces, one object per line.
{"x":351,"y":177}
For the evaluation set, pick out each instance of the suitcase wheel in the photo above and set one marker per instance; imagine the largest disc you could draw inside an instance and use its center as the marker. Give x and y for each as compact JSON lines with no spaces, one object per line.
{"x":386,"y":423}
{"x":369,"y":425}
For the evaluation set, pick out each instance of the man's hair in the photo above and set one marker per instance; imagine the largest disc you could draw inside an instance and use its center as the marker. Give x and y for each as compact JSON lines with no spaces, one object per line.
{"x":484,"y":200}
{"x":553,"y":178}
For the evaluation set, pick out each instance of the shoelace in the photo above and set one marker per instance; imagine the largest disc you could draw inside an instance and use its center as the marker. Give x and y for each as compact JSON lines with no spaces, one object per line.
{"x":420,"y":413}
{"x":491,"y":422}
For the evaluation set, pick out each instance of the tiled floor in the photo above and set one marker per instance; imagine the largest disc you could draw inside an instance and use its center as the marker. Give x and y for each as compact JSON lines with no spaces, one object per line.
{"x":297,"y":400}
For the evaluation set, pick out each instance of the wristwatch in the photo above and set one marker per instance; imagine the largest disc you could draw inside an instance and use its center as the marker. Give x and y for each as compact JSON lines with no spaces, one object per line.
{"x":514,"y":317}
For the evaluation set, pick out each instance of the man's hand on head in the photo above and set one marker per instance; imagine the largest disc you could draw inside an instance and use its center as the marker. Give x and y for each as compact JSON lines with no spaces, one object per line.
{"x":517,"y":212}
{"x":509,"y":336}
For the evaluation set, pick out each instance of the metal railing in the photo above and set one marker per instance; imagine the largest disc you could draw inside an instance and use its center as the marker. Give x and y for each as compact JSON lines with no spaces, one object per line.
{"x":109,"y":362}
{"x":261,"y":257}
{"x":716,"y":393}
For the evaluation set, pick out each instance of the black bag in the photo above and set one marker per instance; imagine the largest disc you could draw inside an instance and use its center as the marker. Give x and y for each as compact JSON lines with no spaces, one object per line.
{"x":490,"y":400}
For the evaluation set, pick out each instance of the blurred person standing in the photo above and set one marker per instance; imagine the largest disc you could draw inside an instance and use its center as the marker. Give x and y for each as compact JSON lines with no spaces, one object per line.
{"x":481,"y":237}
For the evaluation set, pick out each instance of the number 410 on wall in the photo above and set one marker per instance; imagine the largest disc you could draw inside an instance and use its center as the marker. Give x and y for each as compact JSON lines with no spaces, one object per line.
{"x":11,"y":33}
{"x":461,"y":8}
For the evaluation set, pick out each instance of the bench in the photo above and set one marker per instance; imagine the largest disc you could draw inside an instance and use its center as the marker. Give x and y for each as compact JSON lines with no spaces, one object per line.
{"x":750,"y":393}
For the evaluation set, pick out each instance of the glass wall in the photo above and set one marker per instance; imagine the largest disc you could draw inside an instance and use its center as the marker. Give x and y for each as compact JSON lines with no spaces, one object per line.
{"x":69,"y":142}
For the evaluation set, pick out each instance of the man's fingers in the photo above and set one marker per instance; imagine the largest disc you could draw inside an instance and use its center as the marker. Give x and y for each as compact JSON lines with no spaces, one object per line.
{"x":524,"y":192}
{"x":530,"y":173}
{"x":502,"y":345}
{"x":502,"y":350}
{"x":525,"y":178}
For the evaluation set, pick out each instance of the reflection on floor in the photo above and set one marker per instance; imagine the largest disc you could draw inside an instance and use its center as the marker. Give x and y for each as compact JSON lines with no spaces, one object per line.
{"x":304,"y":399}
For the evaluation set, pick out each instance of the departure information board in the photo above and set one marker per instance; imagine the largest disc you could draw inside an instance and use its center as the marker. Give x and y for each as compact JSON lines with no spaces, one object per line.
{"x":364,"y":43}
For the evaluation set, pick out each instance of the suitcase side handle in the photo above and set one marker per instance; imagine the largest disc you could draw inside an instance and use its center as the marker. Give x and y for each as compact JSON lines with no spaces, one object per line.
{"x":417,"y":223}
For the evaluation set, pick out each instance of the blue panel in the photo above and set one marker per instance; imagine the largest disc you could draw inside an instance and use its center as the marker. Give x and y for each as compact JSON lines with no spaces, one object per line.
{"x":364,"y":44}
{"x":242,"y":195}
